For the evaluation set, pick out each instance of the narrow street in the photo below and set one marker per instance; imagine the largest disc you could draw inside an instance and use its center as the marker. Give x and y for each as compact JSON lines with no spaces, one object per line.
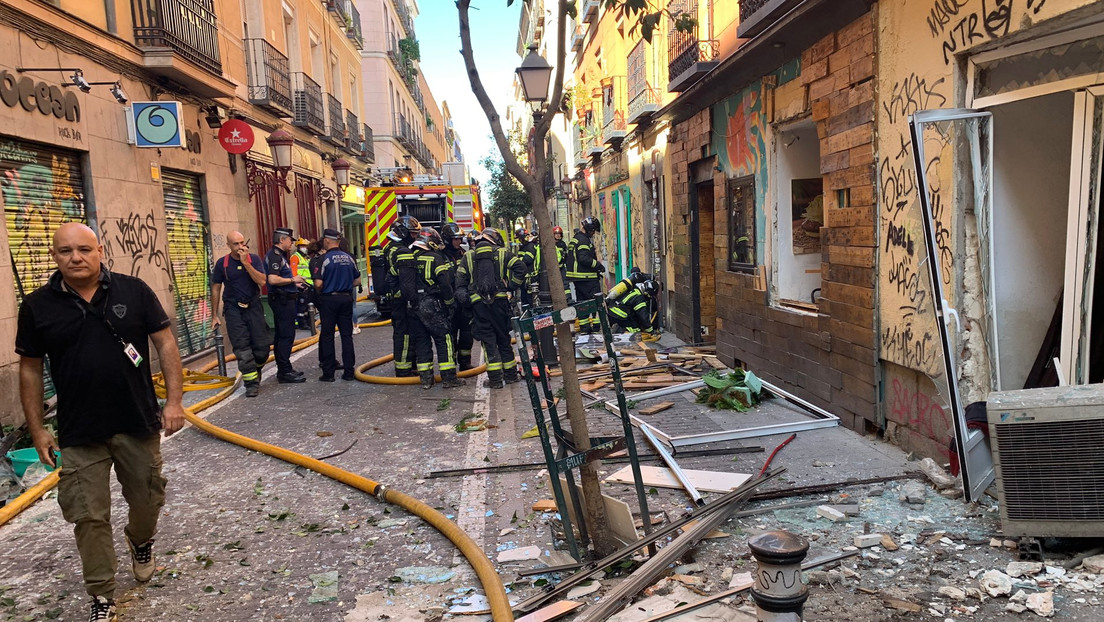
{"x":246,"y":537}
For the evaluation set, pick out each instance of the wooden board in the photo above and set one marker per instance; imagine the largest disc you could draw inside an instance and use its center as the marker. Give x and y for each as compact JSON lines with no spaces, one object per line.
{"x":661,"y":477}
{"x":660,"y":407}
{"x":622,"y":523}
{"x":551,"y":612}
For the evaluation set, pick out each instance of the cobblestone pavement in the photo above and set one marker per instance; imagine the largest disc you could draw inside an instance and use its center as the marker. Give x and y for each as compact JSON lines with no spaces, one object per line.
{"x":247,"y":537}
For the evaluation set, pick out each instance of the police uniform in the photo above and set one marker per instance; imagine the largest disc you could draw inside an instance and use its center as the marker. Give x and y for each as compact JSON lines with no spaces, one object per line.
{"x":400,"y":330}
{"x":461,"y":315}
{"x":426,"y":283}
{"x":585,"y":271}
{"x":491,"y":308}
{"x":281,"y":299}
{"x":337,"y":278}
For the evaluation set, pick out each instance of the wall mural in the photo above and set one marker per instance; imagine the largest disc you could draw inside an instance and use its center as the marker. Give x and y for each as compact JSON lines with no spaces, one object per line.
{"x":190,"y":258}
{"x":740,"y":144}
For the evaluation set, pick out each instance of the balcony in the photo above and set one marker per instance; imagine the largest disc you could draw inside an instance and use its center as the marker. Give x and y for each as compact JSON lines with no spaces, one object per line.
{"x":340,"y":11}
{"x":352,"y":133}
{"x":691,"y":59}
{"x":307,"y":105}
{"x":172,"y":31}
{"x":577,"y":142}
{"x":368,"y":153}
{"x":404,"y":133}
{"x":353,"y":29}
{"x":336,"y":129}
{"x":589,"y":10}
{"x":269,"y":77}
{"x":577,"y":39}
{"x":406,"y":70}
{"x":643,"y":104}
{"x":404,"y":17}
{"x":614,"y":127}
{"x":758,"y":15}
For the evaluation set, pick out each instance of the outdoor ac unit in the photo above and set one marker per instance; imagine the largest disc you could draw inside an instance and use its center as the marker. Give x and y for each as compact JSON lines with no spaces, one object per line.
{"x":1048,"y":446}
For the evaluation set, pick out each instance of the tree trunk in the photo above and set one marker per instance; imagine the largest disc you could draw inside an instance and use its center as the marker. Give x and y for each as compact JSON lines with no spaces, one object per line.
{"x":533,"y":180}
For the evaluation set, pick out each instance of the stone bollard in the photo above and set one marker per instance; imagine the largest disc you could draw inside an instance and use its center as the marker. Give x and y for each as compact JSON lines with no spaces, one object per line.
{"x":778,"y":592}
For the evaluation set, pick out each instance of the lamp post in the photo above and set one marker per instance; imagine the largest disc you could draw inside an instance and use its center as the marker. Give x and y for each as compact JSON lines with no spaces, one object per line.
{"x":535,"y":74}
{"x":341,"y":168}
{"x":280,"y":144}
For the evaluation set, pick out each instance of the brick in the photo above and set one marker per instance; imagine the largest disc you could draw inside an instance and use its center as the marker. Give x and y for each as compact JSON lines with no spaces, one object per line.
{"x":821,"y":49}
{"x":867,"y":540}
{"x":831,"y":513}
{"x":821,"y":109}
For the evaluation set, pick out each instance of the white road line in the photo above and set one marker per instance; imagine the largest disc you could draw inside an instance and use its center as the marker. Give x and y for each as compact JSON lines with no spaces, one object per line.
{"x":471,"y":515}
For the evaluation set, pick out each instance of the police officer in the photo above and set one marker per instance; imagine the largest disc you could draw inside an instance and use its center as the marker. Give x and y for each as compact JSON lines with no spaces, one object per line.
{"x":584,"y":269}
{"x":283,"y":289}
{"x":337,"y":278}
{"x":529,"y":254}
{"x":561,"y":258}
{"x":236,"y":281}
{"x":630,"y":307}
{"x":486,"y":276}
{"x":300,"y":265}
{"x":426,"y":282}
{"x":453,"y":236}
{"x":399,"y":240}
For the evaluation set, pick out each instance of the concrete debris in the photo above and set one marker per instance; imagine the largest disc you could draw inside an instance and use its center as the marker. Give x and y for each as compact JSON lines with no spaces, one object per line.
{"x":913,"y":493}
{"x":1042,"y":603}
{"x":740,"y":578}
{"x":689,"y":580}
{"x":867,"y":540}
{"x":519,"y":554}
{"x":1094,"y":564}
{"x":996,"y":583}
{"x":476,"y":603}
{"x":953,"y":593}
{"x":391,"y":522}
{"x":937,"y":475}
{"x":1023,"y":569}
{"x":424,"y":574}
{"x":325,"y":587}
{"x":584,"y":589}
{"x":688,"y":568}
{"x":659,"y":603}
{"x":831,"y":513}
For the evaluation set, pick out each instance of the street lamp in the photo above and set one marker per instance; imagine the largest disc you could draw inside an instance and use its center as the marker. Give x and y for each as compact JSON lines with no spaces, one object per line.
{"x":534,"y":74}
{"x":280,"y":143}
{"x":341,"y":168}
{"x":566,"y":186}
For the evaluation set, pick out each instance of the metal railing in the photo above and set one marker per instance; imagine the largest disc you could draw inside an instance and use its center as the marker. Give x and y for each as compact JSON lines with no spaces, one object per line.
{"x":353,"y":31}
{"x":613,"y":108}
{"x":336,"y":133}
{"x":404,"y":132}
{"x":368,"y":154}
{"x":308,"y":109}
{"x":577,"y":38}
{"x":408,"y":74}
{"x":577,"y":142}
{"x":643,"y":103}
{"x":188,"y":27}
{"x":352,"y":133}
{"x":685,"y":54}
{"x":404,"y":17}
{"x":589,"y":10}
{"x":269,"y":76}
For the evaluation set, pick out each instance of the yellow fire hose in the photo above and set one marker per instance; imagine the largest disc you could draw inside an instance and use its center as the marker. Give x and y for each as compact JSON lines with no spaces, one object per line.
{"x":383,"y":360}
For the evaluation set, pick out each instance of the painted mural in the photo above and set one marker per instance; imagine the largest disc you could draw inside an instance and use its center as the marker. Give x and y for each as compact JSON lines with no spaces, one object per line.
{"x":740,"y":144}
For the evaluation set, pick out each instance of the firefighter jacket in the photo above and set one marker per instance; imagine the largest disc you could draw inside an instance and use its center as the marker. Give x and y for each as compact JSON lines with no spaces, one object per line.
{"x":582,"y":264}
{"x":530,"y":254}
{"x":425,"y":273}
{"x":631,"y":308}
{"x":393,"y":254}
{"x":561,"y":254}
{"x":509,"y":273}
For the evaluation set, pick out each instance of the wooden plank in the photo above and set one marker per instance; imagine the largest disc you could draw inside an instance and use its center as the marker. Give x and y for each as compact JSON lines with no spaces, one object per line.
{"x":650,"y":353}
{"x":715,"y":362}
{"x":651,"y":410}
{"x":620,"y":516}
{"x":661,"y":477}
{"x":544,"y":505}
{"x":551,"y":612}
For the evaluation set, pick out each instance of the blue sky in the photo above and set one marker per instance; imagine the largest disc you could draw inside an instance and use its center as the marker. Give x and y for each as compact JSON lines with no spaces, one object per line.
{"x":494,"y":37}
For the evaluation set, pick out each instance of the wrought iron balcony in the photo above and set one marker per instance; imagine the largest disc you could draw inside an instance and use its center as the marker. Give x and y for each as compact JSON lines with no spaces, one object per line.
{"x":269,"y":77}
{"x":368,"y":153}
{"x":613,"y":110}
{"x":643,"y":104}
{"x":188,"y":27}
{"x":407,"y":72}
{"x":404,"y":17}
{"x":352,"y":133}
{"x":340,"y":11}
{"x":758,"y":15}
{"x":308,"y":107}
{"x":577,"y":39}
{"x":577,"y":142}
{"x":691,"y":59}
{"x":336,"y":129}
{"x":404,"y":133}
{"x":589,"y":10}
{"x":353,"y":30}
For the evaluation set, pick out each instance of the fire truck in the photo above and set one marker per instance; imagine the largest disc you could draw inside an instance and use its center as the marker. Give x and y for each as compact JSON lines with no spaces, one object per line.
{"x":433,"y":200}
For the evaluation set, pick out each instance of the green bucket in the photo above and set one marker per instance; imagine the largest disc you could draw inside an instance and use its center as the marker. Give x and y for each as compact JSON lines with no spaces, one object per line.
{"x":22,"y":459}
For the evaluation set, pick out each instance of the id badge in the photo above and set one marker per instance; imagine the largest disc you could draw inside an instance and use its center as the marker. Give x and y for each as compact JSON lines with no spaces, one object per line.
{"x":132,"y":354}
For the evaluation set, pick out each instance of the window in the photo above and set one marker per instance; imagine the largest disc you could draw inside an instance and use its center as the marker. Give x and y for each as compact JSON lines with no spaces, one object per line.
{"x":741,"y":223}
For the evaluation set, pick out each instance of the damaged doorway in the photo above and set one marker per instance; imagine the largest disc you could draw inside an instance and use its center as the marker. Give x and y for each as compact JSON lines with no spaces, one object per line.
{"x":798,"y":217}
{"x":703,"y":269}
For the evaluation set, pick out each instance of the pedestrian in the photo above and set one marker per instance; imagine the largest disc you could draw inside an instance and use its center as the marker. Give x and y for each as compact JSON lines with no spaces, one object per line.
{"x":426,"y":282}
{"x":236,"y":281}
{"x":399,"y":238}
{"x":486,"y":277}
{"x":283,"y":289}
{"x":300,"y":265}
{"x":584,"y":270}
{"x":95,"y":326}
{"x":337,"y":279}
{"x":453,"y":236}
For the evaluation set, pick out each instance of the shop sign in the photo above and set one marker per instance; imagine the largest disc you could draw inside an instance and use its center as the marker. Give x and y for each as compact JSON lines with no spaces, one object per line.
{"x":16,"y":90}
{"x":155,"y":124}
{"x":236,"y":136}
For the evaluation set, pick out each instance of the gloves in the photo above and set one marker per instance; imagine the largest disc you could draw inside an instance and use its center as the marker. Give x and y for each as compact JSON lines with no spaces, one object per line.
{"x":600,"y":267}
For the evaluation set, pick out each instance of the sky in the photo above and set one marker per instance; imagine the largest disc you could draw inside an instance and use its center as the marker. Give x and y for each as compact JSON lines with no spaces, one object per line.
{"x":494,"y":38}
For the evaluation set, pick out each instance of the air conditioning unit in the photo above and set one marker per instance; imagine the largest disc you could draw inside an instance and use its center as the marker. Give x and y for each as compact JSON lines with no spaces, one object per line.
{"x":1048,"y":449}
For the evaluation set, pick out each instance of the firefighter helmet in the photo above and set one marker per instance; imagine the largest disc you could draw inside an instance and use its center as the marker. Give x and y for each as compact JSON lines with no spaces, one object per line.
{"x":431,"y":239}
{"x":451,"y":231}
{"x":648,"y":288}
{"x":591,"y":224}
{"x":493,"y":236}
{"x":404,"y":227}
{"x":557,"y":231}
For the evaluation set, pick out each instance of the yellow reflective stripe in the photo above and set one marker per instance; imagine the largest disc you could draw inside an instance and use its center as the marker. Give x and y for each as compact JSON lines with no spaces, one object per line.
{"x":618,"y":312}
{"x":510,"y":364}
{"x":250,"y":376}
{"x":425,"y":366}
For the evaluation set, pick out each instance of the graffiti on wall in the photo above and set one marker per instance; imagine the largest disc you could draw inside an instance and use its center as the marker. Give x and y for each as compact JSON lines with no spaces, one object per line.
{"x":135,"y":239}
{"x":191,"y":287}
{"x":740,"y":144}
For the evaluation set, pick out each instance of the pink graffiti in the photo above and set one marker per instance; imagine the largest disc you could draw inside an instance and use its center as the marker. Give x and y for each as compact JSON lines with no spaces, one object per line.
{"x":919,"y":412}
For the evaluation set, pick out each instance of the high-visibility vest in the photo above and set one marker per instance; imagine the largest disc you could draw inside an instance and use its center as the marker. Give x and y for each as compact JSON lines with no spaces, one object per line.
{"x":300,"y":265}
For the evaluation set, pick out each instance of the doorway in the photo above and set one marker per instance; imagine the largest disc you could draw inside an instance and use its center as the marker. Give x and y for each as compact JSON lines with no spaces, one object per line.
{"x":703,"y":268}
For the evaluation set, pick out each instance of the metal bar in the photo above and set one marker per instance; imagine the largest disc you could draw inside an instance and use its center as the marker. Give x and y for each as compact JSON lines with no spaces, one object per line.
{"x":806,"y":490}
{"x":671,"y":464}
{"x":763,"y":430}
{"x":797,"y":400}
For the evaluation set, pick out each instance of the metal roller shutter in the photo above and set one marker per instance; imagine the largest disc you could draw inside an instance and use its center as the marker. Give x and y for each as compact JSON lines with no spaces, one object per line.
{"x":190,"y":256}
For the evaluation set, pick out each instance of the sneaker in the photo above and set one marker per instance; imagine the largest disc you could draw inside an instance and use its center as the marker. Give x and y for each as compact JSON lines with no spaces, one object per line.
{"x":356,"y":330}
{"x":103,"y":610}
{"x":253,"y":389}
{"x":141,"y":560}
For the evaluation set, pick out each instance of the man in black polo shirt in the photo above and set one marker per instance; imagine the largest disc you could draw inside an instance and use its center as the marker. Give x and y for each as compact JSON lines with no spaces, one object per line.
{"x":95,"y":327}
{"x":236,"y":280}
{"x":283,"y":289}
{"x":336,"y":278}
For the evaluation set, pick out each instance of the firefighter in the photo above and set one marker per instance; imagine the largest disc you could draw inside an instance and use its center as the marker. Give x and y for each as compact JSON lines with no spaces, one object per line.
{"x":453,"y":236}
{"x":529,"y":254}
{"x":631,"y":307}
{"x":399,"y":238}
{"x":300,"y":266}
{"x":561,"y":259}
{"x":584,"y":269}
{"x":425,"y":280}
{"x":485,"y":277}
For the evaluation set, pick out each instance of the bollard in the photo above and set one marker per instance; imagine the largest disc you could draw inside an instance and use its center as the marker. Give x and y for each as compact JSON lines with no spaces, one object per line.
{"x":778,"y":592}
{"x":220,"y":352}
{"x":312,"y":315}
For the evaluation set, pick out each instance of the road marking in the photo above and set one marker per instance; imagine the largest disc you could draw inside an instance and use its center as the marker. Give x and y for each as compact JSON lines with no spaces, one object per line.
{"x":471,"y":515}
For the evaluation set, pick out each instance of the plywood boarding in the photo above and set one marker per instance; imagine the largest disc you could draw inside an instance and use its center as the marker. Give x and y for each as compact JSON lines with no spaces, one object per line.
{"x":661,"y":477}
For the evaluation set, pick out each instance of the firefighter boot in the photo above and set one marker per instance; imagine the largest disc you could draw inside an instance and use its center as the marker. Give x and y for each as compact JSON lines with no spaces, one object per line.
{"x":510,"y":376}
{"x":463,"y":361}
{"x":427,"y":379}
{"x":449,"y":379}
{"x":494,"y":379}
